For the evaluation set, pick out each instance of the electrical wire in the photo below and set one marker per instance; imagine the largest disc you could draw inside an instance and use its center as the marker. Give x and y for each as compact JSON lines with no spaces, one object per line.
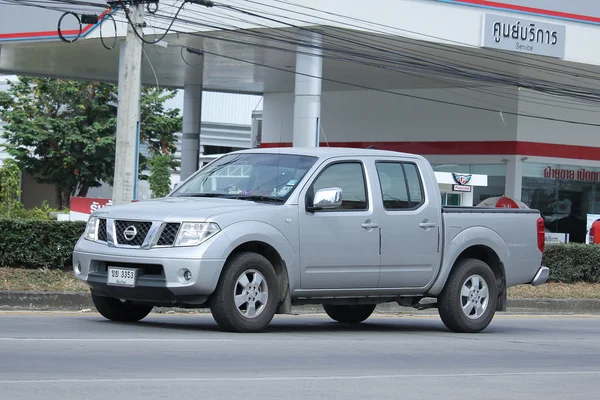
{"x":362,"y":21}
{"x":416,"y":97}
{"x":115,"y":39}
{"x":60,"y":34}
{"x":487,"y":78}
{"x":256,"y":15}
{"x":402,"y":71}
{"x":380,"y":60}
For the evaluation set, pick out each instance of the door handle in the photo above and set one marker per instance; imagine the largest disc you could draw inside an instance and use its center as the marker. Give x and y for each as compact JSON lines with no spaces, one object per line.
{"x":370,"y":225}
{"x":427,"y":224}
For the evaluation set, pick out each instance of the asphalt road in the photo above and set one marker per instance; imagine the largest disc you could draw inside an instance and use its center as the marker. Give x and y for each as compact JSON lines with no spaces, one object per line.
{"x":82,"y":356}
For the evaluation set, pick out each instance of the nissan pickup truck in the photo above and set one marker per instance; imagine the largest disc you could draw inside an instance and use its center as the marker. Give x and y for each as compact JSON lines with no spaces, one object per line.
{"x":258,"y":231}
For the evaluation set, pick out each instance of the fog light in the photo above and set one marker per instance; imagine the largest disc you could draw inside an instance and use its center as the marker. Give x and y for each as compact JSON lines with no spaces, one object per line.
{"x":78,"y":269}
{"x":184,"y":275}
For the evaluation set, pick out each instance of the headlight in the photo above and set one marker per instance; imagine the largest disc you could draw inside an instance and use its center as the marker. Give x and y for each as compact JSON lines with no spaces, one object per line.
{"x":91,"y":230}
{"x":194,"y":233}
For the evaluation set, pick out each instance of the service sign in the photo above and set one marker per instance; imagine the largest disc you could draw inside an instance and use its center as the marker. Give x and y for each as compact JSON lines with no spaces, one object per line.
{"x":523,"y":36}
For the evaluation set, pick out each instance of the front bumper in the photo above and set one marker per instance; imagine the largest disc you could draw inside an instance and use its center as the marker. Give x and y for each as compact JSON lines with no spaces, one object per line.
{"x":541,"y":276}
{"x":158,"y":282}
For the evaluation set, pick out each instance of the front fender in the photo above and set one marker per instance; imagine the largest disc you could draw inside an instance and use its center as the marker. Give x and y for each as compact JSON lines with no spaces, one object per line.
{"x":252,"y":231}
{"x":475,"y":236}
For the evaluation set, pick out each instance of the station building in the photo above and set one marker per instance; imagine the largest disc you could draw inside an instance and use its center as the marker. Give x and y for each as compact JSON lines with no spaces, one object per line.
{"x":502,"y":89}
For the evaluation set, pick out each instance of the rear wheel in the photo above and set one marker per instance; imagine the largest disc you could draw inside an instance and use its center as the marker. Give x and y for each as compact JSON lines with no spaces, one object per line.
{"x":349,"y":314}
{"x":468,"y":302}
{"x":247,"y":295}
{"x":119,"y":310}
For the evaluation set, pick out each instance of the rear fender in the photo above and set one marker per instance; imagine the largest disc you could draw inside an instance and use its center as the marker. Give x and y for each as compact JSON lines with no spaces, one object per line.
{"x":470,"y":237}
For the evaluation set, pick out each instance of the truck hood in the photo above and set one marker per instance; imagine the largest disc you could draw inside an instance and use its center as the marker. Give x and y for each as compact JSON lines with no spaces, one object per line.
{"x":179,"y":209}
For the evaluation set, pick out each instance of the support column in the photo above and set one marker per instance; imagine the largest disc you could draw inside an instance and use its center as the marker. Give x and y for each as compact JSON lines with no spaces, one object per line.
{"x":192,"y":119}
{"x":514,"y":177}
{"x":307,"y":105}
{"x":128,"y":112}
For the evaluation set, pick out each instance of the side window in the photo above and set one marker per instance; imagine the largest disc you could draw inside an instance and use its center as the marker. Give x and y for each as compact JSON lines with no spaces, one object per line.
{"x":415,"y":187}
{"x":348,"y":176}
{"x":401,"y":186}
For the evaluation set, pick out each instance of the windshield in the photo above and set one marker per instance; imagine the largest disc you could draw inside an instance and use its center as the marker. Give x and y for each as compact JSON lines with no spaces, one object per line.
{"x":252,"y":176}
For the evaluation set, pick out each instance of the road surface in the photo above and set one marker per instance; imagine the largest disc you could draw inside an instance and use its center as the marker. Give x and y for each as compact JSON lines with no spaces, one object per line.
{"x":82,"y":356}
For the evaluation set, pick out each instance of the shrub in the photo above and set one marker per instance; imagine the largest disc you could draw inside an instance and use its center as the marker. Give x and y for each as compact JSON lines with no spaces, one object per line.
{"x":34,"y":243}
{"x":573,"y":262}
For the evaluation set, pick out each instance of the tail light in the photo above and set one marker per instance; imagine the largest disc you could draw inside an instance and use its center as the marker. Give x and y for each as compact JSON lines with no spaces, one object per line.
{"x":541,"y":234}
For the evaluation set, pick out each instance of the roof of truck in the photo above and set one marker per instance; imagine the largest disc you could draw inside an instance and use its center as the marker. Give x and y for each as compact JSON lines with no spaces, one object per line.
{"x":326,"y":152}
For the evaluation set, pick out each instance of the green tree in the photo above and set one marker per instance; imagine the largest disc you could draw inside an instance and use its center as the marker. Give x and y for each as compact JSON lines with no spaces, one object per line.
{"x":159,"y":126}
{"x":160,"y":175}
{"x":10,"y":188}
{"x":63,"y":132}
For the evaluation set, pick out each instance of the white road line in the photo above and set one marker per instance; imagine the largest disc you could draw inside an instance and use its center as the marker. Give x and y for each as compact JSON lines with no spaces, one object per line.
{"x":300,"y":378}
{"x":110,"y":339}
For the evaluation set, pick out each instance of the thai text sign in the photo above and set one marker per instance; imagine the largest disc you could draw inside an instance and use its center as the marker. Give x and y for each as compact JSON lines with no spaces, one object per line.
{"x":581,"y":174}
{"x":523,"y":36}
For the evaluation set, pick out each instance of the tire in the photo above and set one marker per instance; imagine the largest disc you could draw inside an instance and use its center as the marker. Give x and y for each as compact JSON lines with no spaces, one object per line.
{"x":480,"y":312}
{"x":260,"y":280}
{"x":353,"y":314}
{"x":117,"y":310}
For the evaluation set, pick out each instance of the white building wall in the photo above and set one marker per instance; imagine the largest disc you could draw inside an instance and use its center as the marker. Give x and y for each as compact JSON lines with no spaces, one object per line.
{"x":369,"y":116}
{"x":546,"y":131}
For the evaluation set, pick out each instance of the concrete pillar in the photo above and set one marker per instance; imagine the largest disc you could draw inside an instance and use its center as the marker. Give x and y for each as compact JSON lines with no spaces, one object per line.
{"x":514,"y":177}
{"x":307,"y":104}
{"x":192,"y":118}
{"x":467,"y":198}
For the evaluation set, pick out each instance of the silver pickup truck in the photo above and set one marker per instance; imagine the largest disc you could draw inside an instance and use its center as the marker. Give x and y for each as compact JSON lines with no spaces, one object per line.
{"x":258,"y":231}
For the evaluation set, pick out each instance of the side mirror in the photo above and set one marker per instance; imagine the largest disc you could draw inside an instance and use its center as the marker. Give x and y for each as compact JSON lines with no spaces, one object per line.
{"x":327,"y":199}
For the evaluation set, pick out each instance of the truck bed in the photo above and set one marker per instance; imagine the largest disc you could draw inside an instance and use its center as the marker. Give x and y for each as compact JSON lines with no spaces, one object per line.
{"x":511,"y":233}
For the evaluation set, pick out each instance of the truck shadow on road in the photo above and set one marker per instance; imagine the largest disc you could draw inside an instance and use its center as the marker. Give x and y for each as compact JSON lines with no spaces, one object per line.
{"x":302,"y":324}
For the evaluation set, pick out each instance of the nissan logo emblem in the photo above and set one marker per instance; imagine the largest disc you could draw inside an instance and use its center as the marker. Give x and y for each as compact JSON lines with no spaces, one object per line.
{"x":130,"y":233}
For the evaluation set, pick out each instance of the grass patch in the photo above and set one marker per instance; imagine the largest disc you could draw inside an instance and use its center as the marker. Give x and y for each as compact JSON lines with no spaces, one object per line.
{"x":53,"y":280}
{"x":40,"y":280}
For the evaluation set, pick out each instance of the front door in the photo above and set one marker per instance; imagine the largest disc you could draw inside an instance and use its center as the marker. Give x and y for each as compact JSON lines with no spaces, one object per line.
{"x":339,"y":249}
{"x":410,"y":252}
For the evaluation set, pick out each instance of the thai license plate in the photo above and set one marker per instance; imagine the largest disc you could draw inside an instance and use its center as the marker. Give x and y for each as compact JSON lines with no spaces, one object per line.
{"x":122,"y":276}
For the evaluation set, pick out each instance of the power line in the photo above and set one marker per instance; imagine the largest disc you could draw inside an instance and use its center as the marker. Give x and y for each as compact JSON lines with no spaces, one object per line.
{"x":345,"y":59}
{"x":197,"y":51}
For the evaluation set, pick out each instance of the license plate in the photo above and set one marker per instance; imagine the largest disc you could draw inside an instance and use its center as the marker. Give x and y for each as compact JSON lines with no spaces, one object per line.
{"x":122,"y":276}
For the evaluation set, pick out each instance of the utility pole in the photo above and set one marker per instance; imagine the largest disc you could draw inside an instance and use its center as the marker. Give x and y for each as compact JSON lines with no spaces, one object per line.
{"x":129,"y":110}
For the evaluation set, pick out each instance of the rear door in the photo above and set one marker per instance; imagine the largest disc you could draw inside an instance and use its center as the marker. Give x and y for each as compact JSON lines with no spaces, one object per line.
{"x":410,"y":223}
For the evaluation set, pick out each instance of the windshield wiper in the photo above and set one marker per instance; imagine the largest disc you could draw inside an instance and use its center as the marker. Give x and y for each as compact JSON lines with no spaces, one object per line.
{"x":259,"y":198}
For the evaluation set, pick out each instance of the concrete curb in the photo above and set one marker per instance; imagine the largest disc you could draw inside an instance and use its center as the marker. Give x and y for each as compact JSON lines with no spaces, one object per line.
{"x":48,"y":301}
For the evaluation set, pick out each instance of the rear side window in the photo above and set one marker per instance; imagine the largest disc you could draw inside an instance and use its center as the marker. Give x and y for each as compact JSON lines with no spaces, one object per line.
{"x":401,"y":185}
{"x":350,"y":177}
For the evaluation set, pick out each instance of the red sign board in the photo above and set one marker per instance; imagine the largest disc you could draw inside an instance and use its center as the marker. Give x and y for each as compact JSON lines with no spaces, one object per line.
{"x":87,"y":205}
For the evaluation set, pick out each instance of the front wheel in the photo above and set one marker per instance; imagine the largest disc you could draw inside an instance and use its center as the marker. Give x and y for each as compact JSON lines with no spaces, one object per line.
{"x":121,"y":311}
{"x":349,"y":314}
{"x":468,"y":302}
{"x":247,"y":295}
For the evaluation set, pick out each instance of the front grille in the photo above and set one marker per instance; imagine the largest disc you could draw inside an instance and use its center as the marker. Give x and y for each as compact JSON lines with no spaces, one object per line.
{"x":125,"y":230}
{"x":102,"y":230}
{"x":169,"y":234}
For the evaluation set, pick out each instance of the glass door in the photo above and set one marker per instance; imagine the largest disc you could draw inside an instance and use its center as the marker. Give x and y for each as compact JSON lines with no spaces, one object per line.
{"x":451,"y":199}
